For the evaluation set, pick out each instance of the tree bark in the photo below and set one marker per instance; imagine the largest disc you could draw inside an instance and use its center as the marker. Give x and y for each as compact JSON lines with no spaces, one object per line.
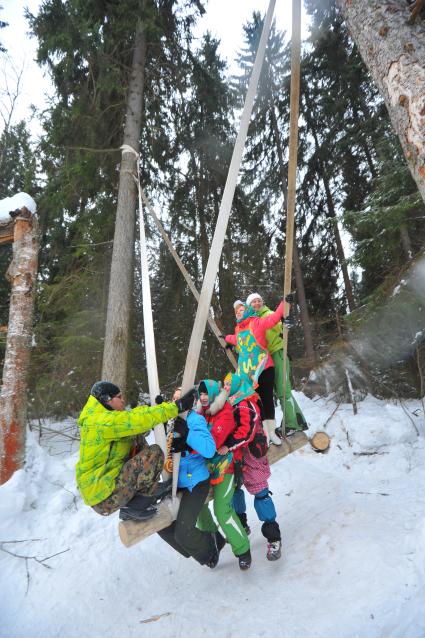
{"x":394,"y":53}
{"x":22,"y":274}
{"x":299,"y":280}
{"x":115,"y":353}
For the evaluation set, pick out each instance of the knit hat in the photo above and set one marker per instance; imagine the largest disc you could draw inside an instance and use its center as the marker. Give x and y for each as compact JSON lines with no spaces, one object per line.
{"x":210,"y":387}
{"x":104,"y":391}
{"x":251,"y":298}
{"x":237,"y":303}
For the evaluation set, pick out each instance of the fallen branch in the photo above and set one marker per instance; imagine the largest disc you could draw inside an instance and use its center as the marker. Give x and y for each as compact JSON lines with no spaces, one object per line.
{"x":40,"y":561}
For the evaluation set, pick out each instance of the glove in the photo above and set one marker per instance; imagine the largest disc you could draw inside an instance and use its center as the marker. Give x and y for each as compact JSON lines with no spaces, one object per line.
{"x":159,"y":399}
{"x":290,"y":298}
{"x":180,"y":427}
{"x":178,"y":445}
{"x":186,"y":401}
{"x":229,"y":346}
{"x":288,"y":323}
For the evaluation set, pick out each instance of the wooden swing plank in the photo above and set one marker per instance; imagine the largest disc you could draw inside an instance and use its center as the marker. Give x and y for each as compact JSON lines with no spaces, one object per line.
{"x":132,"y":532}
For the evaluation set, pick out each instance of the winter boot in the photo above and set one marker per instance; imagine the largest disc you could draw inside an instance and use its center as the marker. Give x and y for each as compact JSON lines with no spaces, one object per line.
{"x":162,"y":490}
{"x":245,"y":561}
{"x":244,"y":521}
{"x":291,"y":429}
{"x":269,"y":426}
{"x":139,"y":508}
{"x":274,"y":550}
{"x":271,"y":531}
{"x":219,"y":543}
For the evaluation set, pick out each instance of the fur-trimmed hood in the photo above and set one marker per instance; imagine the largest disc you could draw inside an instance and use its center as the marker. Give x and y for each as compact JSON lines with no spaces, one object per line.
{"x":217,"y":405}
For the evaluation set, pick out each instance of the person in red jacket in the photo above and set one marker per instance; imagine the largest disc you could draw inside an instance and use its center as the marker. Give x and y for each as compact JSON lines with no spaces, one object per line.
{"x":254,"y":361}
{"x":214,"y":406}
{"x":249,"y":446}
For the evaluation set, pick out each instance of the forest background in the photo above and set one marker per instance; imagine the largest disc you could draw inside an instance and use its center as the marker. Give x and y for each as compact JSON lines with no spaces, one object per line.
{"x":354,"y":188}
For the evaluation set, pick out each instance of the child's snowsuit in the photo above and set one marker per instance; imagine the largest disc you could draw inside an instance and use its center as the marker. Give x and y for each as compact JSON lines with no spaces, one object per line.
{"x":219,"y":416}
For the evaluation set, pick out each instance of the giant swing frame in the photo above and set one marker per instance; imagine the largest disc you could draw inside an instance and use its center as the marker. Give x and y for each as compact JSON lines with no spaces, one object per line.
{"x":132,"y":532}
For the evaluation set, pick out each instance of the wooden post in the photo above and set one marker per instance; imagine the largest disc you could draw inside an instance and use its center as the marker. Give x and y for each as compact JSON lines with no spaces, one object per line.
{"x":292,"y":170}
{"x":22,"y":274}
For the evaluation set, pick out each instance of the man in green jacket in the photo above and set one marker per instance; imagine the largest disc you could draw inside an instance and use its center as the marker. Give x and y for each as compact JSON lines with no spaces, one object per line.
{"x":117,"y":468}
{"x":294,"y":418}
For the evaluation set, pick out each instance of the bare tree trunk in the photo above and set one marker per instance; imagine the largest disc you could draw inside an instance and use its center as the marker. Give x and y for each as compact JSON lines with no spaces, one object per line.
{"x":299,"y":280}
{"x":394,"y":53}
{"x":115,"y":353}
{"x":22,"y":274}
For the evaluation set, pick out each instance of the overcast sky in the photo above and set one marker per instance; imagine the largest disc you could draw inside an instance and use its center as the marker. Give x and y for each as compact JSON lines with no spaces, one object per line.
{"x":224,"y":19}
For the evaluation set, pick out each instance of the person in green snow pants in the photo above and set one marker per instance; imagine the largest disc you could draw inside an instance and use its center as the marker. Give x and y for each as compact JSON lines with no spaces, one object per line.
{"x":294,"y":418}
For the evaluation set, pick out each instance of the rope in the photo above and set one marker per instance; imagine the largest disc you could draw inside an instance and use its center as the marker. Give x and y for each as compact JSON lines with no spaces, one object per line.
{"x":292,"y":168}
{"x":221,"y":226}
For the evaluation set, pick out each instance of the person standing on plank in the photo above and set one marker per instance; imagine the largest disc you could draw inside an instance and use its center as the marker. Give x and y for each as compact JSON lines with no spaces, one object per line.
{"x":214,"y":406}
{"x":249,"y":446}
{"x":294,"y":418}
{"x":195,"y":444}
{"x":109,"y":477}
{"x":254,"y":360}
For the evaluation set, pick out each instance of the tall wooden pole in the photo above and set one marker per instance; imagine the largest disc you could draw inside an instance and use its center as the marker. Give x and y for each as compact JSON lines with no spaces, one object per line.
{"x":292,"y":167}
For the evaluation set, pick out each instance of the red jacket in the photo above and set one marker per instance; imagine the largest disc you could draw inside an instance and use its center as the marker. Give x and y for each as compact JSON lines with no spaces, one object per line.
{"x":247,"y":418}
{"x":219,"y":416}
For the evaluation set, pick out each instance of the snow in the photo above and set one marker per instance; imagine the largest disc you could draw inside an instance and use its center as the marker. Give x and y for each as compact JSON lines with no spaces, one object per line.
{"x":10,"y":204}
{"x":353,"y":522}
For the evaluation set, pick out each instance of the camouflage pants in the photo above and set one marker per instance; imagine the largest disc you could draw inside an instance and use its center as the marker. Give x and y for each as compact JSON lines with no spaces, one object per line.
{"x":138,"y":475}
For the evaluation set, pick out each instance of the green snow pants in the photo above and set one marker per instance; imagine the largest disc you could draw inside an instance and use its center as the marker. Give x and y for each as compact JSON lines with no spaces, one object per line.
{"x":294,"y":418}
{"x":226,"y":516}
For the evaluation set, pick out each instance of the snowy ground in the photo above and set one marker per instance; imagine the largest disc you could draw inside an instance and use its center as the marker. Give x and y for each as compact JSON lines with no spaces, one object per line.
{"x":354,"y":547}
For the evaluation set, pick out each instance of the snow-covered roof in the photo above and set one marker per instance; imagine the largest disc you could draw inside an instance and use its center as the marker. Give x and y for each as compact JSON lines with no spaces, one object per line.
{"x":18,"y":201}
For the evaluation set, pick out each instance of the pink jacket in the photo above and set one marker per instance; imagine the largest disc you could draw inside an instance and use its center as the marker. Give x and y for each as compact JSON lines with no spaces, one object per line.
{"x":258,"y":325}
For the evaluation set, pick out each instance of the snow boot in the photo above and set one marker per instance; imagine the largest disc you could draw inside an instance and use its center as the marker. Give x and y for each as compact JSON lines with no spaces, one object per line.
{"x":244,"y":521}
{"x":245,"y":561}
{"x":139,"y":508}
{"x":274,"y":550}
{"x":271,"y":531}
{"x":162,"y":490}
{"x":290,"y":429}
{"x":269,"y":426}
{"x":219,"y":543}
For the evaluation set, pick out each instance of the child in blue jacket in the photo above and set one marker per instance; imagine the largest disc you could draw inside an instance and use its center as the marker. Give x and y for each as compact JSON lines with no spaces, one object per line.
{"x":195,"y":444}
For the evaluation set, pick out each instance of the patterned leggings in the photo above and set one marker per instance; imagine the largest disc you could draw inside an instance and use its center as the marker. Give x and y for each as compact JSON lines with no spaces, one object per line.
{"x":138,"y":475}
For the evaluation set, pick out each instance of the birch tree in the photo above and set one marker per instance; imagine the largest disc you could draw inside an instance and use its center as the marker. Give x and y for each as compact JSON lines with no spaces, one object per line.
{"x":394,"y":52}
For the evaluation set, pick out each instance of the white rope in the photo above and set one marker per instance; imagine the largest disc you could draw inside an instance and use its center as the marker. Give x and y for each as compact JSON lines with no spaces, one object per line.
{"x":221,"y":227}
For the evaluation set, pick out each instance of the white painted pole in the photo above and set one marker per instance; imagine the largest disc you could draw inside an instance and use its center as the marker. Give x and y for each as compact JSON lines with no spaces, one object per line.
{"x":150,"y":351}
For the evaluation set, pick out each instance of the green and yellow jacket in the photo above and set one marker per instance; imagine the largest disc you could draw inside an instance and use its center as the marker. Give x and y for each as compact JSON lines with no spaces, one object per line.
{"x":106,"y":440}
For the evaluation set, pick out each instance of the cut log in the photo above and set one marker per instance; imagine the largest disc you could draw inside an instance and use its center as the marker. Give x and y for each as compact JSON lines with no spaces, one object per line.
{"x":320,"y":442}
{"x":132,"y":532}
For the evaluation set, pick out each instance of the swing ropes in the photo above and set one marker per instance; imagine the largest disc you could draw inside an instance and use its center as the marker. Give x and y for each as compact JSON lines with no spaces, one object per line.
{"x":131,"y":532}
